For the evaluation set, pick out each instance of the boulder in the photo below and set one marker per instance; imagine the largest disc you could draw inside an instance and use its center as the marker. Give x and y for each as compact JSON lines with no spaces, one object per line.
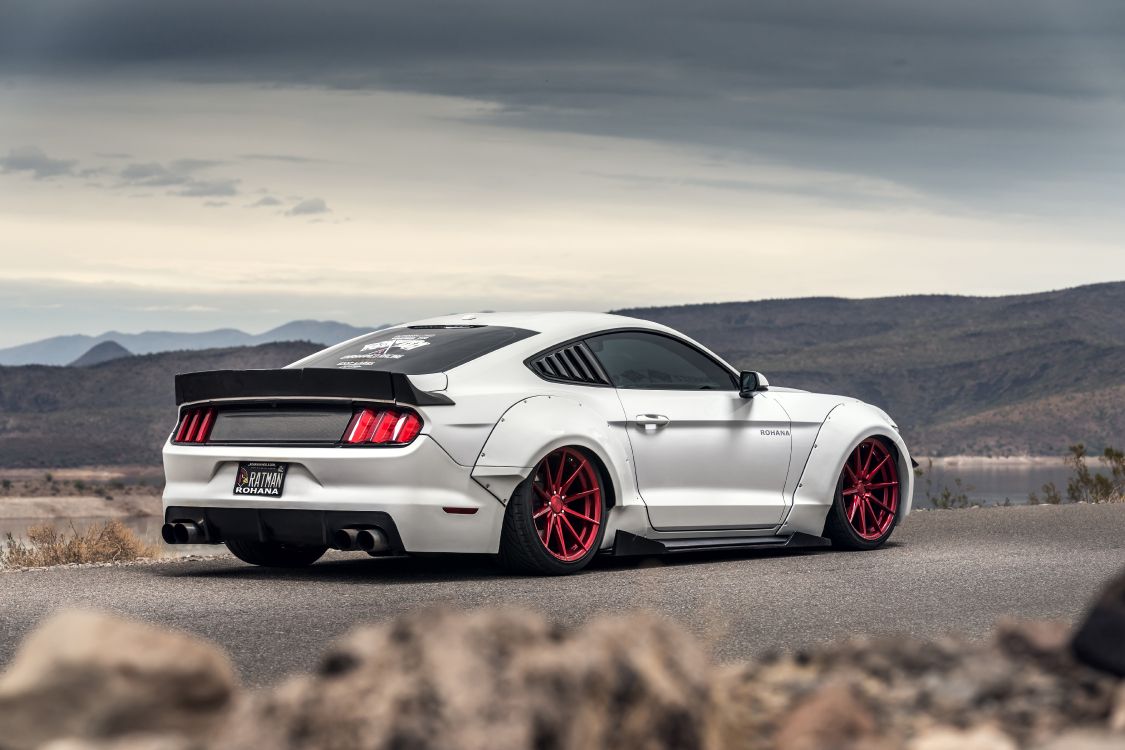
{"x":1100,"y":640}
{"x":490,"y":680}
{"x":977,"y":738}
{"x":91,"y":675}
{"x":834,"y":717}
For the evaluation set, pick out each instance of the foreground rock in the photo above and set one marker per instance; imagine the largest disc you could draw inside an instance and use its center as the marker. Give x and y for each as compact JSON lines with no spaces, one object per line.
{"x":507,"y":680}
{"x":491,"y":680}
{"x":89,"y":675}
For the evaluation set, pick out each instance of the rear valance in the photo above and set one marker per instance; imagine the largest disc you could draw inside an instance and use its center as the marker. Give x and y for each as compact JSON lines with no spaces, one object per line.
{"x":307,"y":382}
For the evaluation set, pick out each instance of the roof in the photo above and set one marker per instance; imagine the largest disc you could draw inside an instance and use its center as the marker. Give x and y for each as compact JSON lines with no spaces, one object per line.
{"x":557,"y":325}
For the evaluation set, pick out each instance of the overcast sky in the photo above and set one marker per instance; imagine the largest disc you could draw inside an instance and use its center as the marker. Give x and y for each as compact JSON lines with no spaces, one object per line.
{"x":190,"y":164}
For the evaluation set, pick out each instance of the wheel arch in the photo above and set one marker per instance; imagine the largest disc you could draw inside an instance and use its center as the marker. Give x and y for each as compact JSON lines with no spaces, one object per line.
{"x":534,"y":427}
{"x":845,"y":427}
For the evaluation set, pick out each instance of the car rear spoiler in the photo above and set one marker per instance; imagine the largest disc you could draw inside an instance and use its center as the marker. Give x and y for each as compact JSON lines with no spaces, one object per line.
{"x":311,"y":382}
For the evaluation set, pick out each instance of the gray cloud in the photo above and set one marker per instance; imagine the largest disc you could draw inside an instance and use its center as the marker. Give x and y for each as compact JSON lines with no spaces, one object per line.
{"x":180,"y":176}
{"x":33,"y":160}
{"x":960,"y":98}
{"x":207,"y":188}
{"x":288,"y":158}
{"x":309,"y":207}
{"x":151,"y":175}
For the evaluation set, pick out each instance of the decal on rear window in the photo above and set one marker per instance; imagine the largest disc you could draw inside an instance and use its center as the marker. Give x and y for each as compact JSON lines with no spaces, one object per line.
{"x":385,"y":349}
{"x":417,"y":350}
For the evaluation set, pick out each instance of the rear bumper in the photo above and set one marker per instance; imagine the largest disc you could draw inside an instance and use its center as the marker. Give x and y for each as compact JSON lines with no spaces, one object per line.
{"x":406,"y":489}
{"x":306,"y":527}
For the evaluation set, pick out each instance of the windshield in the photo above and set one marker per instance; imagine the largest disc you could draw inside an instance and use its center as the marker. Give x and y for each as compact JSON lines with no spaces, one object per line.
{"x":416,"y":350}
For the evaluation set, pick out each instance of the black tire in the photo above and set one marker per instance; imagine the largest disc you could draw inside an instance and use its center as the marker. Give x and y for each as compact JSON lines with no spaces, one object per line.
{"x":522,"y":549}
{"x":839,"y":529}
{"x":274,"y":554}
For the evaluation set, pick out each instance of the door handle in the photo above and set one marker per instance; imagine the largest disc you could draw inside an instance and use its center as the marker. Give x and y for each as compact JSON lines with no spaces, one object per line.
{"x":652,"y":421}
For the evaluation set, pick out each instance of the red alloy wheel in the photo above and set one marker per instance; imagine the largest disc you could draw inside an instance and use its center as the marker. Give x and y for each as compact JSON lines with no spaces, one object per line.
{"x":567,"y":507}
{"x":871,"y":489}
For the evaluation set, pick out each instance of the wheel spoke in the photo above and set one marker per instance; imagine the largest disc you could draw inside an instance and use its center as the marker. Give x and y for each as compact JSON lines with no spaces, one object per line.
{"x":881,"y":504}
{"x":850,"y":491}
{"x":541,"y":512}
{"x":880,"y":464}
{"x":566,"y":485}
{"x":542,"y":493}
{"x":550,"y":535}
{"x":576,"y":514}
{"x":851,"y":473}
{"x":559,"y":533}
{"x":867,"y":463}
{"x":881,"y":485}
{"x":557,"y":479}
{"x":577,"y":536}
{"x":874,"y":514}
{"x":580,"y":495}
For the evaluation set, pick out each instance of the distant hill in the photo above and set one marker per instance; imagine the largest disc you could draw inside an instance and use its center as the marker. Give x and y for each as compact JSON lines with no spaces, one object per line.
{"x":118,"y":412}
{"x":107,"y":351}
{"x":60,"y":350}
{"x":1027,"y":374}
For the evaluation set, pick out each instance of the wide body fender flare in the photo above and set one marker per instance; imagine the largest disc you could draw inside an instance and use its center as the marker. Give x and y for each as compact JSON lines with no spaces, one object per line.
{"x":845,"y":427}
{"x":533,"y":427}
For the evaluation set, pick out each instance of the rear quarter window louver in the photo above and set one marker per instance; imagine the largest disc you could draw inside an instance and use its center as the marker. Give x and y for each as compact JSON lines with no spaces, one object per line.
{"x":573,"y":363}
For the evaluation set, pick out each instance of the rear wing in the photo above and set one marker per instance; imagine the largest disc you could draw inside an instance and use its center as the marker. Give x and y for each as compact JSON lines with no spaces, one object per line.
{"x":367,"y":385}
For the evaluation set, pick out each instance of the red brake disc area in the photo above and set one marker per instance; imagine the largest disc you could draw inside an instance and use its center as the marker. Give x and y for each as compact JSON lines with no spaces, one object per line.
{"x":567,"y":508}
{"x":871,"y":489}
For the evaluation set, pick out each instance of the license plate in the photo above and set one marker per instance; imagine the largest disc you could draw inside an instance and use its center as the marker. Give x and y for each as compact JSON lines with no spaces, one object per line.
{"x":260,"y":478}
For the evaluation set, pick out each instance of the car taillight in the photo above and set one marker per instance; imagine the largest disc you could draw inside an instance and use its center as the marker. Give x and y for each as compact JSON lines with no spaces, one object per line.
{"x":382,"y":426}
{"x":195,"y":425}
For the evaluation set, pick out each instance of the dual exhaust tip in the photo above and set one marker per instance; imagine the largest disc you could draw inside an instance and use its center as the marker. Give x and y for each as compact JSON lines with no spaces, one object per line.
{"x":183,"y":532}
{"x":367,"y":540}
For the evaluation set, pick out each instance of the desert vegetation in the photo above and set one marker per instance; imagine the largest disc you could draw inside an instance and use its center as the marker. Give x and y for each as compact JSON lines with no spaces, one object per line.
{"x":943,"y":498}
{"x":1084,"y":485}
{"x":107,"y":484}
{"x":45,"y":545}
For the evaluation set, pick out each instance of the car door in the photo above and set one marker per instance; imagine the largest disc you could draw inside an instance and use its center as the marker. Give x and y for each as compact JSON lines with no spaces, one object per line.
{"x":704,"y":457}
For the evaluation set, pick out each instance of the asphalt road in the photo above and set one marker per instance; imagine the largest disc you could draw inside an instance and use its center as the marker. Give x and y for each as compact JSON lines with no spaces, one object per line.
{"x":945,"y":571}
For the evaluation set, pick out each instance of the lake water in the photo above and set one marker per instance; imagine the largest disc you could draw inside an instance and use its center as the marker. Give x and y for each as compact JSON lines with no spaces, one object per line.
{"x":991,"y":483}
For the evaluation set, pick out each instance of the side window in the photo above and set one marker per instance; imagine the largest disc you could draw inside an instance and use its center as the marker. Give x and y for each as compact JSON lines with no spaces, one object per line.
{"x":634,"y":359}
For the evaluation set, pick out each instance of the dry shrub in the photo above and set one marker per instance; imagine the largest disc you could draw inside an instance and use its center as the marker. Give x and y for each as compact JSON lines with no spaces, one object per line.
{"x":111,"y":541}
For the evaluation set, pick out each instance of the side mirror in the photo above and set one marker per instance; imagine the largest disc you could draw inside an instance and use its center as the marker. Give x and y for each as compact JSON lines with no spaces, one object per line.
{"x":751,"y":382}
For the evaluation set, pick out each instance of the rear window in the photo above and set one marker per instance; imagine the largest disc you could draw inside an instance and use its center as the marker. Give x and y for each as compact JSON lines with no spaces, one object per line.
{"x":417,"y":350}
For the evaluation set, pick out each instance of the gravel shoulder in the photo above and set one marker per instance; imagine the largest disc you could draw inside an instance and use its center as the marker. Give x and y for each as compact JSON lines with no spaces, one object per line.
{"x":944,"y":572}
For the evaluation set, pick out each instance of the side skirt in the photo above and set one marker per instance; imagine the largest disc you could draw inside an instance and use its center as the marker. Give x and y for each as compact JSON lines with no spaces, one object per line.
{"x":626,"y":544}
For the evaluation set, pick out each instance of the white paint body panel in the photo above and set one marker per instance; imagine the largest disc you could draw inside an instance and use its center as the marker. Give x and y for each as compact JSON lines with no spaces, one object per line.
{"x":719,"y":462}
{"x":723,"y":465}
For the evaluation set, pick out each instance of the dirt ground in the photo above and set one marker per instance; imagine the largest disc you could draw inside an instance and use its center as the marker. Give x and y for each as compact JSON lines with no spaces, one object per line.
{"x":88,"y":492}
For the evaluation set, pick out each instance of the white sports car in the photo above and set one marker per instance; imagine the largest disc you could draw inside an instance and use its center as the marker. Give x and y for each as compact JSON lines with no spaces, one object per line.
{"x":542,"y":438}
